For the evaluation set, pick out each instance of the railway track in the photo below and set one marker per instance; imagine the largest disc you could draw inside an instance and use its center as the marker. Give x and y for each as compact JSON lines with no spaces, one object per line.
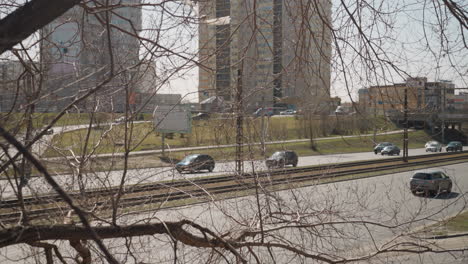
{"x":51,"y":205}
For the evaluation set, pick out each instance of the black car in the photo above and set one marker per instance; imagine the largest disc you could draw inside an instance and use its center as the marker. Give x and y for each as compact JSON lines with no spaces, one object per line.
{"x":196,"y":162}
{"x":454,"y":146}
{"x":381,"y":146}
{"x":280,"y":159}
{"x":390,"y":150}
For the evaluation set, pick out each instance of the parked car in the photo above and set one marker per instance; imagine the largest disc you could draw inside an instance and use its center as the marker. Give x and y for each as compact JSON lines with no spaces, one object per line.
{"x":268,"y":111}
{"x":288,"y":112}
{"x":454,"y":146}
{"x":120,"y":119}
{"x":196,"y":162}
{"x":381,"y":146}
{"x":433,"y":146}
{"x":390,"y":150}
{"x":200,"y":116}
{"x":430,"y":182}
{"x":280,"y":159}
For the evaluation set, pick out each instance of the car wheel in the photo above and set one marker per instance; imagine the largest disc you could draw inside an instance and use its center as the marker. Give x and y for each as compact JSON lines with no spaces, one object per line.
{"x":413,"y":192}
{"x":449,"y":189}
{"x":179,"y":170}
{"x":210,"y":169}
{"x":375,"y":152}
{"x":295,"y":164}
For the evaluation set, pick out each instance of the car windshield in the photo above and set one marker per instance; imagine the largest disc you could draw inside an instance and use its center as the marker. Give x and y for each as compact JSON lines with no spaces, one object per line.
{"x":453,"y":143}
{"x":384,"y":144}
{"x":276,"y":155}
{"x":422,"y":176}
{"x":433,"y":145}
{"x":188,"y":159}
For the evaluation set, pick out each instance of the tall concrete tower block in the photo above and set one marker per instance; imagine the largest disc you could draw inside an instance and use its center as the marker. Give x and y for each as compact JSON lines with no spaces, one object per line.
{"x":280,"y":51}
{"x":79,"y":50}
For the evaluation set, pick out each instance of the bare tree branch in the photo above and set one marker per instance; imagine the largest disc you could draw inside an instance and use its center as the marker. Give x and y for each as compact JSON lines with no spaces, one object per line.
{"x":32,"y":16}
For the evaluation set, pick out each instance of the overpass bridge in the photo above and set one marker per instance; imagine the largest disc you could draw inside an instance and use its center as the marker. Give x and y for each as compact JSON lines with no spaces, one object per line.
{"x":442,"y":124}
{"x":431,"y":119}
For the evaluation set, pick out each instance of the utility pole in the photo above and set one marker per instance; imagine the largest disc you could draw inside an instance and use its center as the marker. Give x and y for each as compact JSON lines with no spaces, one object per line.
{"x":405,"y":130}
{"x":263,"y":134}
{"x":163,"y":136}
{"x":443,"y":115}
{"x":239,"y":124}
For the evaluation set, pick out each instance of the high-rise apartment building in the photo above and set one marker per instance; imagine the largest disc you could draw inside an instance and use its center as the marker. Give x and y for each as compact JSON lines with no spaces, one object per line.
{"x":17,"y":85}
{"x":278,"y":51}
{"x":78,"y":50}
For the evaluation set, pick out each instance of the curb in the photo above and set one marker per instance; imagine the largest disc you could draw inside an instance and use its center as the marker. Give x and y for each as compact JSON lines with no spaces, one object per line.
{"x":446,"y":236}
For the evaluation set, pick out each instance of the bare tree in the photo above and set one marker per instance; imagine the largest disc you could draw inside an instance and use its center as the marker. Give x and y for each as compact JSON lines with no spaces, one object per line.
{"x":115,"y":57}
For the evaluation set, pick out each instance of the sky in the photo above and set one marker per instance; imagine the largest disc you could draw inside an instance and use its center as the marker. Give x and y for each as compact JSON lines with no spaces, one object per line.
{"x":408,"y":34}
{"x":415,"y":49}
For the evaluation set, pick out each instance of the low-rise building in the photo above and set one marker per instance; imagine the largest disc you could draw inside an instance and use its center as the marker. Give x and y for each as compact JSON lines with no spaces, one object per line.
{"x":422,"y":96}
{"x":458,"y":102}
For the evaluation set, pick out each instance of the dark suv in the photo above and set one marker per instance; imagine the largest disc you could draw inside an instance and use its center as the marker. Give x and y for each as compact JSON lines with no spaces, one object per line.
{"x":280,"y":159}
{"x":196,"y":162}
{"x":454,"y":146}
{"x":430,"y":182}
{"x":381,"y":146}
{"x":390,"y":150}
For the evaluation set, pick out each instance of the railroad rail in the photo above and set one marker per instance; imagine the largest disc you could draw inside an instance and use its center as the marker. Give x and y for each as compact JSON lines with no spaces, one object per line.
{"x":137,"y":195}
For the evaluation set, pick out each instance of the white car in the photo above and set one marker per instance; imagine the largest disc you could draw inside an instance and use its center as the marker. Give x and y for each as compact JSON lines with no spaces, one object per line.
{"x":433,"y":146}
{"x":288,"y":112}
{"x":120,"y":119}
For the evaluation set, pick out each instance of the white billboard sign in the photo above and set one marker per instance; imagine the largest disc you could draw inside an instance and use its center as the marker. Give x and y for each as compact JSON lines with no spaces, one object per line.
{"x":172,"y":119}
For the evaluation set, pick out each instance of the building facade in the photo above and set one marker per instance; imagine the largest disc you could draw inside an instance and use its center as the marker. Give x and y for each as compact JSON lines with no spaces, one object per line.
{"x":277,"y":51}
{"x":78,"y":53}
{"x":18,"y":86}
{"x":422,"y":96}
{"x":458,"y":103}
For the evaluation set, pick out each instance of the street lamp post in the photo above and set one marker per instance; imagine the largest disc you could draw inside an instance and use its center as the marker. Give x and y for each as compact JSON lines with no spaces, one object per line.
{"x":405,"y":130}
{"x":239,"y":125}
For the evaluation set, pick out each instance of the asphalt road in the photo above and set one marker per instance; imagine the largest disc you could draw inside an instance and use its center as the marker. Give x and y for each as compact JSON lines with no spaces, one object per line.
{"x":384,"y":199}
{"x":137,"y":176}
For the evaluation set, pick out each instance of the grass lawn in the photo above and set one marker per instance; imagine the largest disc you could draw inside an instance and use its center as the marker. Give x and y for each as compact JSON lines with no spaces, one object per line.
{"x":459,"y":223}
{"x":322,"y":147}
{"x":40,"y":120}
{"x":208,"y":132}
{"x":253,"y":152}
